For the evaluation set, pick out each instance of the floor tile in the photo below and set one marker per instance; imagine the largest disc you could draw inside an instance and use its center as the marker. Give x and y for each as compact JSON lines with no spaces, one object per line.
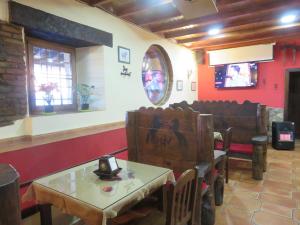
{"x":244,"y":202}
{"x":276,"y":199}
{"x":266,"y":218}
{"x":296,"y":215}
{"x":277,"y":209}
{"x":233,"y":216}
{"x":252,"y":187}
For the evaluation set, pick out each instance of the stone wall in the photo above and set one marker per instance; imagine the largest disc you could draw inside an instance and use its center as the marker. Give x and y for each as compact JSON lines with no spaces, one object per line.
{"x":275,"y":114}
{"x":13,"y":100}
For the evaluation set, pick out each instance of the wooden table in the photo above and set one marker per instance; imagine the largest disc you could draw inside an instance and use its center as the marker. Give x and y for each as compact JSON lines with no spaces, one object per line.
{"x":79,"y":192}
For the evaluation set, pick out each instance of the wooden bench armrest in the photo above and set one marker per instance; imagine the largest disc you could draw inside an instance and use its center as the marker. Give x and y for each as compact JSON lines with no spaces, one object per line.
{"x":203,"y":168}
{"x":259,"y":140}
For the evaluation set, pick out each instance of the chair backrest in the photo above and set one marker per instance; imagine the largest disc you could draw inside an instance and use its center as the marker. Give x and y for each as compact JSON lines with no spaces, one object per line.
{"x":248,"y":119}
{"x":227,"y":136}
{"x":174,"y":138}
{"x":182,"y":199}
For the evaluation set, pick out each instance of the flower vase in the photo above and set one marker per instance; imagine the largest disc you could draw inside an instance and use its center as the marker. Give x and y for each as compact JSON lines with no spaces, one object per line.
{"x":85,"y":106}
{"x":48,"y":109}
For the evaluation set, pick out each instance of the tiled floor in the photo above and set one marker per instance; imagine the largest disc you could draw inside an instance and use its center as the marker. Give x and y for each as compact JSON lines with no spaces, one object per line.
{"x":273,"y":201}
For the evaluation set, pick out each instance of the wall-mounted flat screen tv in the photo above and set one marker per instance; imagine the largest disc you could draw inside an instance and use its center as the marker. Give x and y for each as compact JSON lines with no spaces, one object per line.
{"x":236,"y":75}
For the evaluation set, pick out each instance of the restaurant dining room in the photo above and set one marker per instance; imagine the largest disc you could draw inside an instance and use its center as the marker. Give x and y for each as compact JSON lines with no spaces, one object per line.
{"x":149,"y":112}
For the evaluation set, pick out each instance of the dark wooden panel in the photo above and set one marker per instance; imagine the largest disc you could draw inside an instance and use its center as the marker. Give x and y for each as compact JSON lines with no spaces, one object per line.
{"x":57,"y":29}
{"x":9,"y":196}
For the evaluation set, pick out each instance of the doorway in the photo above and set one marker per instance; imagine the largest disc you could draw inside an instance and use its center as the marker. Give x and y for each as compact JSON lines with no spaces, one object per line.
{"x":292,"y":99}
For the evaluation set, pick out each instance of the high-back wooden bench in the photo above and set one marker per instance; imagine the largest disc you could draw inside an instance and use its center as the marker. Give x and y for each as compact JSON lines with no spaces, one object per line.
{"x":176,"y":139}
{"x":249,"y":123}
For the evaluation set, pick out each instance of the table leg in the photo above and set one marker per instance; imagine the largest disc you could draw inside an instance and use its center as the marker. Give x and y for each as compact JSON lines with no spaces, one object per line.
{"x":258,"y":162}
{"x":45,"y":214}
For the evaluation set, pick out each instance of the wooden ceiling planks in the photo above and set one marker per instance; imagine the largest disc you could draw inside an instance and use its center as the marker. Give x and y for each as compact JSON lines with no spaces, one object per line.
{"x":245,"y":13}
{"x":241,"y":21}
{"x":139,"y":7}
{"x":158,"y":14}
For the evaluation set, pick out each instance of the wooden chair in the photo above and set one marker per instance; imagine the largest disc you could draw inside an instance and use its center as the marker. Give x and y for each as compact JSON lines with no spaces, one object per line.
{"x":249,"y":120}
{"x":223,"y":147}
{"x":181,"y":203}
{"x":177,"y":139}
{"x":218,"y":169}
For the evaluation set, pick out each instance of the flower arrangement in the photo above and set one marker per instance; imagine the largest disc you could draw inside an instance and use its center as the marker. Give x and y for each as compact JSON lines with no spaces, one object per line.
{"x":48,"y":96}
{"x":85,"y":91}
{"x":48,"y":89}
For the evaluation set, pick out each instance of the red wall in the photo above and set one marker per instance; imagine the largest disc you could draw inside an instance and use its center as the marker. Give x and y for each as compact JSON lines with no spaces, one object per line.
{"x":37,"y":161}
{"x":271,"y":81}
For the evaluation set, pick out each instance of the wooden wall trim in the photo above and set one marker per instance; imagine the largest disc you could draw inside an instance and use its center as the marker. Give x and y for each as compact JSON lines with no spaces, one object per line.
{"x":17,"y":143}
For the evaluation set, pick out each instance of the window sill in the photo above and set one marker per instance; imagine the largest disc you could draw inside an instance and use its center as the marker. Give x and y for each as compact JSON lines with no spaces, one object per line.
{"x":39,"y":114}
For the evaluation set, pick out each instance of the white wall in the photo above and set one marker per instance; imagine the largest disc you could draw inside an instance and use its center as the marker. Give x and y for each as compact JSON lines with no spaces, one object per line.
{"x":90,"y":70}
{"x":121,"y":93}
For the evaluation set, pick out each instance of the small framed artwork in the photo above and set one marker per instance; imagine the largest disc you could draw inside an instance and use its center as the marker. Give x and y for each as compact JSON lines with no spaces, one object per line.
{"x":179,"y":85}
{"x":123,"y":55}
{"x":193,"y":86}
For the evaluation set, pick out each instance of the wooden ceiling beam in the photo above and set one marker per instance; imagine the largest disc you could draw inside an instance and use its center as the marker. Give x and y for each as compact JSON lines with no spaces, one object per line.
{"x":224,"y":2}
{"x":242,"y":43}
{"x":222,"y":17}
{"x":235,"y":5}
{"x":240,"y":34}
{"x":139,"y":7}
{"x":251,"y":26}
{"x":227,"y":26}
{"x":248,"y":36}
{"x":237,"y":44}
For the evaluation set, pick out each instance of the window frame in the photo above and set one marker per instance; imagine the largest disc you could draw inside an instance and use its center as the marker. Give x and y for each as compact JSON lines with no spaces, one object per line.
{"x":33,"y":42}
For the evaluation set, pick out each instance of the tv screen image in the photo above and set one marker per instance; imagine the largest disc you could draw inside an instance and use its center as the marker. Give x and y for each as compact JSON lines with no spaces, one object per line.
{"x":236,"y":75}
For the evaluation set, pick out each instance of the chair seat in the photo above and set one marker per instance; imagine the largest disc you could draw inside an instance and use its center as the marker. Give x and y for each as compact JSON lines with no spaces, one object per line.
{"x":219,"y":145}
{"x":219,"y":153}
{"x":241,"y":148}
{"x":204,"y":186}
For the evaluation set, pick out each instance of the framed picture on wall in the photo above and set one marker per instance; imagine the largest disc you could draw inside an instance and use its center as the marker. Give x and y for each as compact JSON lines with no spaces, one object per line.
{"x":193,"y":86}
{"x":179,"y":85}
{"x":123,"y":55}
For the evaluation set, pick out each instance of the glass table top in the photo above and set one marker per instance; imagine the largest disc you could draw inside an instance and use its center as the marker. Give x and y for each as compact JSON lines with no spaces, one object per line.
{"x":81,"y":183}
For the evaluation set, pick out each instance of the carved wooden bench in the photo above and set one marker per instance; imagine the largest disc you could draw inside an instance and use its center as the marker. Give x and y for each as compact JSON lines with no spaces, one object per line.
{"x":176,"y":139}
{"x":248,"y":120}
